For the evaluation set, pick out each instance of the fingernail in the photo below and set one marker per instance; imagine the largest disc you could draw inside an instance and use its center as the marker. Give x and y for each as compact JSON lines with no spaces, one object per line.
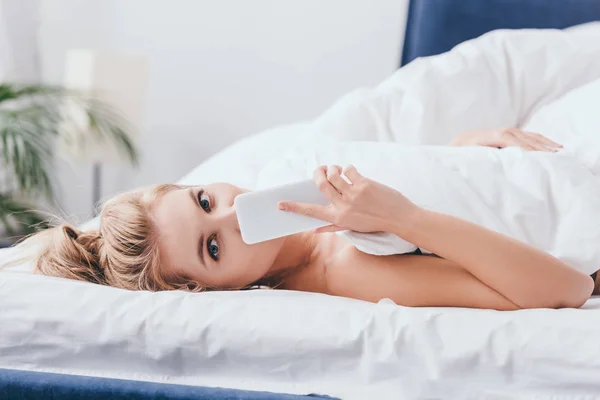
{"x":281,"y":206}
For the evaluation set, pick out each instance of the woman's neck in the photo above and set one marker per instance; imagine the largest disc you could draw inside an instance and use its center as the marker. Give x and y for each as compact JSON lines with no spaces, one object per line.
{"x":296,"y":251}
{"x":303,"y":262}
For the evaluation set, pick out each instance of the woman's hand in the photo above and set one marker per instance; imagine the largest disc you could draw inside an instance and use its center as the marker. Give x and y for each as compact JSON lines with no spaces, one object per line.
{"x":506,"y":137}
{"x":362,"y":205}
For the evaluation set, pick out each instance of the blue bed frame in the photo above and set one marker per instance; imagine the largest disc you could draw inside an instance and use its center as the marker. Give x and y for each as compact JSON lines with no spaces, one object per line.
{"x":436,"y":26}
{"x":23,"y":385}
{"x":433,"y":27}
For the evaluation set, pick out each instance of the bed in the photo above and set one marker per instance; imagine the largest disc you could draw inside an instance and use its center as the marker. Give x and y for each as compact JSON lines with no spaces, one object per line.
{"x":396,"y":352}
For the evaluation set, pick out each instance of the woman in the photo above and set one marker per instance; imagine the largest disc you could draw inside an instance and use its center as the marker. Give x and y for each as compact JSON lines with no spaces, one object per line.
{"x":174,"y":237}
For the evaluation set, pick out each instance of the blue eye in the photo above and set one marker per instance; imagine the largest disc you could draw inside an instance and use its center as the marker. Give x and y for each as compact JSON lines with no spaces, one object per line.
{"x":213,"y":248}
{"x":204,"y":201}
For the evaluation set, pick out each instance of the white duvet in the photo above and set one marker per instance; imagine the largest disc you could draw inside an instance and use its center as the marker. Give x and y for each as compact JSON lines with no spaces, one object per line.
{"x":550,"y":201}
{"x":309,"y":343}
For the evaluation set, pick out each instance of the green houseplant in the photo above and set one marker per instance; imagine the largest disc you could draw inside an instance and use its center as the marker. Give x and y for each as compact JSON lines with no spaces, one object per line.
{"x":32,"y":120}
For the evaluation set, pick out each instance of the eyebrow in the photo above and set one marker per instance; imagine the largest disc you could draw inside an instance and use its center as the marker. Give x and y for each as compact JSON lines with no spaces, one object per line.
{"x":201,"y":242}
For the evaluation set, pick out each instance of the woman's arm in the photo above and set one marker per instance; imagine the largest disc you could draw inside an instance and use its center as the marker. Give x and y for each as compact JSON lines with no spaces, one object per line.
{"x":410,"y":280}
{"x":525,"y":276}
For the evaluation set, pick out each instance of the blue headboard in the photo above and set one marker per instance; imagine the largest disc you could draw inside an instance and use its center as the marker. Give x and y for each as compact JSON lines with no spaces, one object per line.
{"x":436,"y":26}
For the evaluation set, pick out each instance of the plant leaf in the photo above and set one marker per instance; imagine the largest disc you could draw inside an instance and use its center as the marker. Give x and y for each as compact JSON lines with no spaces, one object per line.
{"x":18,"y":217}
{"x":30,"y":119}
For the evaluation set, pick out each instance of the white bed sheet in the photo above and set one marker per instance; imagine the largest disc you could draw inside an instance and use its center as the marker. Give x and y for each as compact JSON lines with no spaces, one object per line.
{"x":298,"y":342}
{"x":309,"y":343}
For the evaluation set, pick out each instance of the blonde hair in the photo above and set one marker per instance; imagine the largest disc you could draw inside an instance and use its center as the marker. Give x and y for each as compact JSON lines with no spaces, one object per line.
{"x":122,"y":253}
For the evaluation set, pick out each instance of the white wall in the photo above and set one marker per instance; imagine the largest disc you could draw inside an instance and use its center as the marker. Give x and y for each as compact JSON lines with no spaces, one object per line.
{"x":221,"y":70}
{"x":19,"y":21}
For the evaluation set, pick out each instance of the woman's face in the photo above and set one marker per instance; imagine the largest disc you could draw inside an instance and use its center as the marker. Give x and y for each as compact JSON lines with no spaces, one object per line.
{"x":200,"y":240}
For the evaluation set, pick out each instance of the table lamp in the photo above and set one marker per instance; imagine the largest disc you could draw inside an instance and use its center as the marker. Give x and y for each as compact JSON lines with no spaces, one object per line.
{"x":119,"y":81}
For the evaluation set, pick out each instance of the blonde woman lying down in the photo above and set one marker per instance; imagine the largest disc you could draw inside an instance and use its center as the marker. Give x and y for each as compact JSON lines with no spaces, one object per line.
{"x":173,"y":237}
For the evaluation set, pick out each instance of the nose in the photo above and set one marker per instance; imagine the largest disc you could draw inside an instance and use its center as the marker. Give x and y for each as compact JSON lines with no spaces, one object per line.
{"x":228,"y":219}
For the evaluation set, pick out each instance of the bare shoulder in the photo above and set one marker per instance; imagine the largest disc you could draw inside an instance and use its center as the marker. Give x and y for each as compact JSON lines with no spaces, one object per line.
{"x":352,"y":269}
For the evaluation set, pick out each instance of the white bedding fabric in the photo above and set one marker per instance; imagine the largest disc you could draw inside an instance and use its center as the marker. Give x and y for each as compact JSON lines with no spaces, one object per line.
{"x":298,"y":342}
{"x":309,"y":343}
{"x":550,"y":201}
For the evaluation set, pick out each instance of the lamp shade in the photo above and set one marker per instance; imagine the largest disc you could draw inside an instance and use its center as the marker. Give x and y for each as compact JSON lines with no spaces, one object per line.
{"x":119,"y":81}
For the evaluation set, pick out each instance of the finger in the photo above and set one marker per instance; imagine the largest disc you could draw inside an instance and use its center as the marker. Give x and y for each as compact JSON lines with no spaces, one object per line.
{"x":514,"y":137}
{"x":308,"y":210}
{"x":543,"y":139}
{"x":529,"y":143}
{"x":334,"y":176}
{"x":352,"y":173}
{"x":535,"y":140}
{"x":538,"y":143}
{"x":329,"y":228}
{"x":323,"y":184}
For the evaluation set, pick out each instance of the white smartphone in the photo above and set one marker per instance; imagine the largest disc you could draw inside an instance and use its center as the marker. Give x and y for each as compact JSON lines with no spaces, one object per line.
{"x":260,"y":219}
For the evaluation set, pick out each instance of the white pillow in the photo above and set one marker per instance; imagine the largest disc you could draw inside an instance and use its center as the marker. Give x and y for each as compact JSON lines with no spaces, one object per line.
{"x":292,"y":342}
